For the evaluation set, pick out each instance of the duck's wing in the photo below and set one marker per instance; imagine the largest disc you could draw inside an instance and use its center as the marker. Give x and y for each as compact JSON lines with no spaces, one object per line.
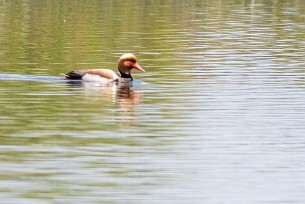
{"x":105,"y":73}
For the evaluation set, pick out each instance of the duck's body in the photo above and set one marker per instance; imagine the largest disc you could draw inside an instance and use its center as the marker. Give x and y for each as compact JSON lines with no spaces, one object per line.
{"x":97,"y":75}
{"x":125,"y":64}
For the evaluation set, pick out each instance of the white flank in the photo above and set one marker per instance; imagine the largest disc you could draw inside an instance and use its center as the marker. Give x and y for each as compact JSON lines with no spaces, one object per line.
{"x":114,"y":76}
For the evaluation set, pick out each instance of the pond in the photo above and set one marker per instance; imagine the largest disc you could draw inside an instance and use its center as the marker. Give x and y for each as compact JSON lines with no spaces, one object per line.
{"x":218,"y":116}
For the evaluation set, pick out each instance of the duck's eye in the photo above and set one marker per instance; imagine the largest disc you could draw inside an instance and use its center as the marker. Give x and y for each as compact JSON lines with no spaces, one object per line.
{"x":132,"y":60}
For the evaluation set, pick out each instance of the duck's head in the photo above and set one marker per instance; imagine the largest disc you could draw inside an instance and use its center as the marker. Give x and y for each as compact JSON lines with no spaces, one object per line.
{"x":127,"y":62}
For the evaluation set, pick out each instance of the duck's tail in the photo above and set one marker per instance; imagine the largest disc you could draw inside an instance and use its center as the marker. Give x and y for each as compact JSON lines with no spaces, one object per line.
{"x":74,"y":75}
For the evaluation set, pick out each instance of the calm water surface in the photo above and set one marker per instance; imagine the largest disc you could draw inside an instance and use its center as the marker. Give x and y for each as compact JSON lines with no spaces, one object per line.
{"x":218,"y":116}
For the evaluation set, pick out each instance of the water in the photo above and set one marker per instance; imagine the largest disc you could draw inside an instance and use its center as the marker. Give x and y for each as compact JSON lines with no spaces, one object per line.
{"x":218,"y":116}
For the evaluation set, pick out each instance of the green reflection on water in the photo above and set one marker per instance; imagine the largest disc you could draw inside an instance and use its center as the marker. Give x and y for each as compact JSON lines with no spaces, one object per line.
{"x":51,"y":37}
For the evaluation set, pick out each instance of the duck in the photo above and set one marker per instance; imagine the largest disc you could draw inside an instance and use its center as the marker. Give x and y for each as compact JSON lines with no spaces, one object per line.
{"x":126,"y":63}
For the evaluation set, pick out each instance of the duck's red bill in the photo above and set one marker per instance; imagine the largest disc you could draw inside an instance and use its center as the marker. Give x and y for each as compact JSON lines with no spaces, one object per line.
{"x":138,"y":67}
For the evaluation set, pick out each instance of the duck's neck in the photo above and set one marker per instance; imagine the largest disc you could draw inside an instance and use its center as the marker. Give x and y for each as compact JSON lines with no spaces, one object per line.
{"x":125,"y":75}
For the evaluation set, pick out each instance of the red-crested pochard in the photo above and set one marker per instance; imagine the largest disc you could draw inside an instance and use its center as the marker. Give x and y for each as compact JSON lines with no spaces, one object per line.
{"x":126,"y":63}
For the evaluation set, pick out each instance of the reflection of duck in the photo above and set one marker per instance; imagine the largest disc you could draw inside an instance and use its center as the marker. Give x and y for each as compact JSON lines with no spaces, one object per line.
{"x":115,"y":92}
{"x":121,"y":95}
{"x":128,"y":100}
{"x":127,"y":96}
{"x":125,"y":64}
